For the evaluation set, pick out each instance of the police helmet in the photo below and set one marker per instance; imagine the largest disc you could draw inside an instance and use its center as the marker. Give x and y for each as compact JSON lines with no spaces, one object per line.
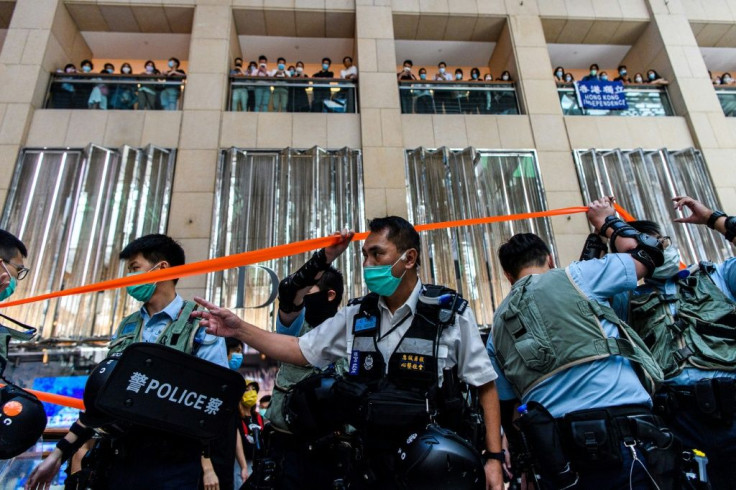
{"x":22,"y":421}
{"x":93,"y":416}
{"x":439,"y":458}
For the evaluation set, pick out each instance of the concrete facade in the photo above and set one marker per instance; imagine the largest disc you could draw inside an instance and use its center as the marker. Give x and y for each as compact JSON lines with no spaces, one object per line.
{"x":43,"y":35}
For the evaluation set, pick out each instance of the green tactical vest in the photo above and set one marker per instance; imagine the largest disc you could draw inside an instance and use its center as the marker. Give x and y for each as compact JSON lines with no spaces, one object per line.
{"x":703,"y":332}
{"x":178,"y":334}
{"x":546,"y":325}
{"x":287,"y":376}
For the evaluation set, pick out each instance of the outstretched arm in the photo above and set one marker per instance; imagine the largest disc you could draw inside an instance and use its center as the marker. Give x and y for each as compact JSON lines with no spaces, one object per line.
{"x":703,"y":215}
{"x":224,"y":323}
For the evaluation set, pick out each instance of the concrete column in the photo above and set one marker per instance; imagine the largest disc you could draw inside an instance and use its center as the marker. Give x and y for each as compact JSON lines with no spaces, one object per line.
{"x":538,"y":94}
{"x":383,"y":153}
{"x":673,"y":51}
{"x":41,"y":37}
{"x":198,"y":150}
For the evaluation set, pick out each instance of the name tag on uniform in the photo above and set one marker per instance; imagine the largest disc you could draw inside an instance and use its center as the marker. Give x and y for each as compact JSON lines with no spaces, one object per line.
{"x":355,"y":363}
{"x":365,"y":324}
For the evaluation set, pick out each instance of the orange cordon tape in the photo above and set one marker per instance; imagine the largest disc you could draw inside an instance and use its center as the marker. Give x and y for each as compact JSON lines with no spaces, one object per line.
{"x":264,"y":254}
{"x":66,"y":401}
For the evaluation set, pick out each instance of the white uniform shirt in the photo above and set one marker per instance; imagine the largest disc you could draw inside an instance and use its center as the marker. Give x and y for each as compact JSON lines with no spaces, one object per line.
{"x":460,"y":343}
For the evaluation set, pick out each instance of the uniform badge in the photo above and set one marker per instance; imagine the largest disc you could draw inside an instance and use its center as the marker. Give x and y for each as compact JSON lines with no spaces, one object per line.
{"x":368,"y":362}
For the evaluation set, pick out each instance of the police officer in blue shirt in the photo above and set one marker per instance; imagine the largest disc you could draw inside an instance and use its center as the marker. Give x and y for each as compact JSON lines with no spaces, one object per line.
{"x":145,"y":458}
{"x":583,"y":377}
{"x":687,"y":318}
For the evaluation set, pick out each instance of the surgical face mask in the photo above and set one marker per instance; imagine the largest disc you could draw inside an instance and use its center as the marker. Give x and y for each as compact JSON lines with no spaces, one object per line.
{"x":5,"y":293}
{"x":70,"y":70}
{"x":381,"y":280}
{"x":671,"y":264}
{"x":318,"y":308}
{"x":651,"y":76}
{"x":299,"y":69}
{"x":149,"y":69}
{"x":126,"y":70}
{"x":568,"y":79}
{"x":559,"y":73}
{"x":458,"y":76}
{"x":236,"y":359}
{"x":291,"y":72}
{"x":505,"y":78}
{"x":593,"y":72}
{"x":442,"y":69}
{"x":325,"y":66}
{"x":86,"y":68}
{"x":726,"y":79}
{"x":423,"y":76}
{"x":604,"y":77}
{"x":407,"y":68}
{"x":249,"y":399}
{"x":622,"y":73}
{"x":142,"y":292}
{"x":489,"y":78}
{"x":475,"y":76}
{"x":171,"y":64}
{"x":280,"y":66}
{"x":638,"y":80}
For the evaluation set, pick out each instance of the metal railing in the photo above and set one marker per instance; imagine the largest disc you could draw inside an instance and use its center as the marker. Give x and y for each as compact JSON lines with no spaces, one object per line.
{"x":118,"y":92}
{"x":727,"y":98}
{"x":643,"y":101}
{"x":266,"y":94}
{"x":466,"y":97}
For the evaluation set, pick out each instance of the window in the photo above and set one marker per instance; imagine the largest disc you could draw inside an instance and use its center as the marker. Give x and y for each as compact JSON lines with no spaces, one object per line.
{"x":268,"y":198}
{"x":75,"y":210}
{"x":643,"y":183}
{"x":450,"y":185}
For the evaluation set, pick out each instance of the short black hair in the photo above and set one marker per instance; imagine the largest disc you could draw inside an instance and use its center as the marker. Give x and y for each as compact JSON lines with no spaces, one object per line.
{"x":596,"y":66}
{"x":155,"y":248}
{"x":231,"y":343}
{"x":262,"y":57}
{"x":10,"y":245}
{"x":645,"y":226}
{"x":347,"y":58}
{"x":332,"y":279}
{"x":410,"y":62}
{"x":441,"y":63}
{"x":329,"y":61}
{"x":254,"y":384}
{"x":175,"y":60}
{"x":400,"y":232}
{"x":281,"y":58}
{"x":265,"y":399}
{"x":622,"y":67}
{"x":87,"y":62}
{"x":521,"y":251}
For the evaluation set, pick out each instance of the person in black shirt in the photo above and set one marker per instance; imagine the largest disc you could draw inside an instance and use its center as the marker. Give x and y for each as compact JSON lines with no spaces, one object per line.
{"x":622,"y":75}
{"x":320,"y":94}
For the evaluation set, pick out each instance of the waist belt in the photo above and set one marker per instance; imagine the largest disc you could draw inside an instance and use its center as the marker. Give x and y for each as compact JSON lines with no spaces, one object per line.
{"x":713,"y":397}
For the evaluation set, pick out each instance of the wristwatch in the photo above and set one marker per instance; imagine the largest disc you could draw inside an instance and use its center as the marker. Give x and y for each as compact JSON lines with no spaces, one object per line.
{"x":714,"y":217}
{"x":491,"y":455}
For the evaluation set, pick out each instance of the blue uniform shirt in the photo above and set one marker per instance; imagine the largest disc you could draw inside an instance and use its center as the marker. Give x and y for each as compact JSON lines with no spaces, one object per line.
{"x":294,"y":328}
{"x":603,"y":383}
{"x":724,"y":277}
{"x":211,"y":348}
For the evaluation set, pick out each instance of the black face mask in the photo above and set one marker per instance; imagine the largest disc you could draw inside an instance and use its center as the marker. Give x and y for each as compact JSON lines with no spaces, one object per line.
{"x":318,"y":308}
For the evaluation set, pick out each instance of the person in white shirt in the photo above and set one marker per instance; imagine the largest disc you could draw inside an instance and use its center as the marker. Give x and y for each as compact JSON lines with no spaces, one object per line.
{"x":280,"y":90}
{"x":349,"y":73}
{"x":443,"y":99}
{"x":262,"y":93}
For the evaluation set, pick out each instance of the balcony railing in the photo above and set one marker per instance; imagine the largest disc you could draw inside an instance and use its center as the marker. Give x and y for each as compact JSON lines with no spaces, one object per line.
{"x":265,"y":94}
{"x":118,"y":92}
{"x":727,"y":98}
{"x":439,"y":97}
{"x":643,"y":101}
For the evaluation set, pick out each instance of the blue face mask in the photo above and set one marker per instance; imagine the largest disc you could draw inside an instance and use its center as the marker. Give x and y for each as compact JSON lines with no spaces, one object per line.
{"x":423,"y":76}
{"x":171,"y":64}
{"x":86,"y":68}
{"x":325,"y":66}
{"x":280,"y":66}
{"x":142,"y":292}
{"x":5,"y":294}
{"x":380,"y":279}
{"x":236,"y":360}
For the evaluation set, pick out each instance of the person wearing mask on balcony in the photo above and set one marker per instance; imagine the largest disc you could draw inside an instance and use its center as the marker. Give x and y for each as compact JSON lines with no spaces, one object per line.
{"x":98,"y":96}
{"x":280,"y":90}
{"x":170,"y":94}
{"x":146,"y":92}
{"x":321,"y":94}
{"x":638,"y":79}
{"x":505,"y":101}
{"x":442,"y":96}
{"x":488,"y":95}
{"x":476,"y":98}
{"x":604,"y":76}
{"x":569,"y":77}
{"x":424,"y":101}
{"x":622,"y":75}
{"x":559,"y":74}
{"x":349,"y":73}
{"x":405,"y":94}
{"x":299,"y":100}
{"x":239,"y":97}
{"x":727,"y":79}
{"x":123,"y":96}
{"x":593,"y":74}
{"x":459,"y":97}
{"x":654,"y":78}
{"x":263,"y":89}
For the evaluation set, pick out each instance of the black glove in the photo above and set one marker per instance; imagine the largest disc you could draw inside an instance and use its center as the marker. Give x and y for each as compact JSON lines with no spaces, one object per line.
{"x":302,"y":278}
{"x":594,"y":247}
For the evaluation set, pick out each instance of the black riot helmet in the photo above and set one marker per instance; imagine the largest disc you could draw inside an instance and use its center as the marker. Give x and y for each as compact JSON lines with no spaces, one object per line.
{"x":439,"y":458}
{"x":93,"y":416}
{"x":22,"y":421}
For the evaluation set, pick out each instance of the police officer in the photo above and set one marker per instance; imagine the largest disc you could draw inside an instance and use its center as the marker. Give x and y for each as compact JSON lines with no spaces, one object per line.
{"x":146,"y":458}
{"x":382,"y":333}
{"x":687,"y":319}
{"x":584,"y":378}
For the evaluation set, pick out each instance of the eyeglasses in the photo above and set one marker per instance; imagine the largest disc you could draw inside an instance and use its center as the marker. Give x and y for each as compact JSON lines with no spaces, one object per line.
{"x":22,"y":270}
